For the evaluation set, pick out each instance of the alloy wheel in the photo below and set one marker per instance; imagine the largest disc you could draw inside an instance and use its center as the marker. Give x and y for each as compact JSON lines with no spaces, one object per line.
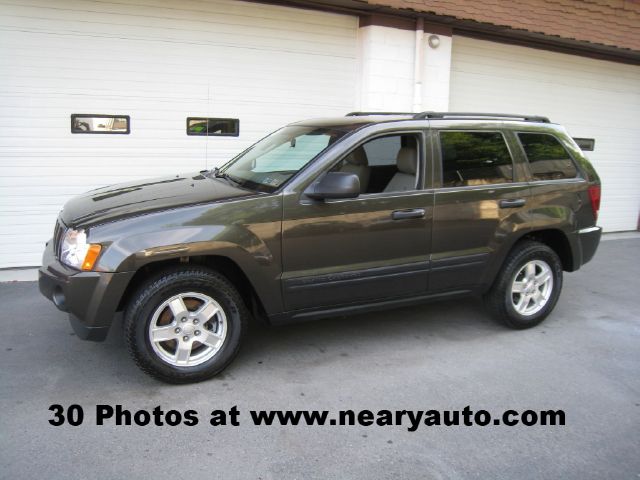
{"x":188,"y":329}
{"x":532,"y":287}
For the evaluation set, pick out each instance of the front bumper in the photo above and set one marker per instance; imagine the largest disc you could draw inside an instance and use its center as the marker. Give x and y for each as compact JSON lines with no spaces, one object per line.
{"x":90,"y":298}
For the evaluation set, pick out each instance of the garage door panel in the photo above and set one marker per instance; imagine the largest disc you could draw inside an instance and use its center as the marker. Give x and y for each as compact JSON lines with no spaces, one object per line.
{"x":259,"y":34}
{"x":31,"y":77}
{"x":148,"y":21}
{"x":30,"y":225}
{"x":79,"y":173}
{"x":10,"y":259}
{"x":189,"y":9}
{"x":485,"y":53}
{"x":114,"y":49}
{"x":158,"y":62}
{"x":591,"y":98}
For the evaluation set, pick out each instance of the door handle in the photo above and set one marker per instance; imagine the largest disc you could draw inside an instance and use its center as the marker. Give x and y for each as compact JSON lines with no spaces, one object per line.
{"x":406,"y":214}
{"x":512,"y":203}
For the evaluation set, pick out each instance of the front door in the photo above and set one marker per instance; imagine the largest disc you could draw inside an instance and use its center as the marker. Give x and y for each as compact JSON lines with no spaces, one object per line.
{"x":369,"y":248}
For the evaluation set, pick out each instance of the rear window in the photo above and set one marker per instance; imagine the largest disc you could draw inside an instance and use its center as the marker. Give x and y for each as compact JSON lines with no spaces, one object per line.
{"x":474,"y":158}
{"x":548,"y":160}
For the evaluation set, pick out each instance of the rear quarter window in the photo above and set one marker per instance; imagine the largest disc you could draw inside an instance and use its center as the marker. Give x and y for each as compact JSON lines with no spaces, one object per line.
{"x":548,"y":159}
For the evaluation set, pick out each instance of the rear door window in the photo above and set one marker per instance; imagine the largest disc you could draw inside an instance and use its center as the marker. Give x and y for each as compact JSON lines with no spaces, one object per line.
{"x":474,"y":158}
{"x":548,"y":160}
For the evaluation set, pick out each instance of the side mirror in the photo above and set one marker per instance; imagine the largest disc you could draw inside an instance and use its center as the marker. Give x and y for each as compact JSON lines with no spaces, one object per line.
{"x":335,"y":185}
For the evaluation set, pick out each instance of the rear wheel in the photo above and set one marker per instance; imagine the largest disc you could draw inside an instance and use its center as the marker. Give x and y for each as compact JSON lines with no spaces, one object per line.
{"x":528,"y":286}
{"x":185,"y":325}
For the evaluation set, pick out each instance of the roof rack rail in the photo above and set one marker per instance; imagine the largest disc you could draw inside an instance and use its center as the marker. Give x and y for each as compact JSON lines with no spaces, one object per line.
{"x":443,"y":115}
{"x":364,"y":114}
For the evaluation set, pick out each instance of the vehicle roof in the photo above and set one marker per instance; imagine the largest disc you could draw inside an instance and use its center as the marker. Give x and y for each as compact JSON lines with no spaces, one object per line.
{"x":350,"y":121}
{"x":360,"y":119}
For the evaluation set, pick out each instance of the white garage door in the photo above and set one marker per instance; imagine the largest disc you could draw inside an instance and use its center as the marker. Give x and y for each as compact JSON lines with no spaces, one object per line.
{"x":159,"y":62}
{"x":591,"y":98}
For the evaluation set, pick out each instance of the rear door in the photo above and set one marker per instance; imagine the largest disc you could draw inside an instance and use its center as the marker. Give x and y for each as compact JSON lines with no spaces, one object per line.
{"x":480,"y":201}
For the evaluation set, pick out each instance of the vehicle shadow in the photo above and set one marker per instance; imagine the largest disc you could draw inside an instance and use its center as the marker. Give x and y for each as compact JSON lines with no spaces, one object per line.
{"x":332,"y":339}
{"x":373,"y":334}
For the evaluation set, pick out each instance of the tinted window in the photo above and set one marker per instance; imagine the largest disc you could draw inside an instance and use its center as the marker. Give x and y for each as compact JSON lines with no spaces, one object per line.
{"x":548,"y":160}
{"x":474,"y":158}
{"x":585,"y":144}
{"x":220,"y":127}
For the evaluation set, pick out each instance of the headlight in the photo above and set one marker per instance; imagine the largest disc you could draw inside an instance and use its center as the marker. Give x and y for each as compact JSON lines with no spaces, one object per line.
{"x":76,"y":252}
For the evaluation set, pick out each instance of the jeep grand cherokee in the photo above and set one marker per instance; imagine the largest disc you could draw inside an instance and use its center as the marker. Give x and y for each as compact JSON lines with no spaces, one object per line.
{"x":323,"y":218}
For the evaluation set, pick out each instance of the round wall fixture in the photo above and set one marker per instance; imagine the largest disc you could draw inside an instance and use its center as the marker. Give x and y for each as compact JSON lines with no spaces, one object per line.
{"x":434,"y":41}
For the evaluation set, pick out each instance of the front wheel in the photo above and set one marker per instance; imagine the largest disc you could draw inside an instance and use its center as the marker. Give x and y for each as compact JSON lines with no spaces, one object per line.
{"x":528,"y":286}
{"x":185,"y":325}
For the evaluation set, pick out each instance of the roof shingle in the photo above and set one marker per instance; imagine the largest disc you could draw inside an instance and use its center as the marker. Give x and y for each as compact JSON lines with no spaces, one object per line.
{"x":614,"y":23}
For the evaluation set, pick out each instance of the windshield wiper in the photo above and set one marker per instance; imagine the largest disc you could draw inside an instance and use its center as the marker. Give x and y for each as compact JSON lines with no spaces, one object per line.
{"x":218,"y":174}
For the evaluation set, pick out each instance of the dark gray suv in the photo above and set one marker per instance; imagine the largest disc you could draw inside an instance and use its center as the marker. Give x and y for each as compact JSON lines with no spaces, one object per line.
{"x":324,"y":218}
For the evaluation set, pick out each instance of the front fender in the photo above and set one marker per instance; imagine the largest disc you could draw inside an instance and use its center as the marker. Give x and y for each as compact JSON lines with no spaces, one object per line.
{"x":246,"y":231}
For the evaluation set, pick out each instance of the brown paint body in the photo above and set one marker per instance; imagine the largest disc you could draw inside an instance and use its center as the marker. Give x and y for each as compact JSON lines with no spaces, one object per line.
{"x":307,"y":259}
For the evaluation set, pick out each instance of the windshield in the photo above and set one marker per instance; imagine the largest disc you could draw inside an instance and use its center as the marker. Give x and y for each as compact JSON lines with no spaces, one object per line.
{"x":275,"y":159}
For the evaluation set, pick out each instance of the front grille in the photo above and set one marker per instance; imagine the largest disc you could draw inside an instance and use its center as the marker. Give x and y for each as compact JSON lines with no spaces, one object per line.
{"x":58,"y":233}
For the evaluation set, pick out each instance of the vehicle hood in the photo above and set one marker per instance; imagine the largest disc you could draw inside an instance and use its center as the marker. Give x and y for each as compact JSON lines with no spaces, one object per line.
{"x":144,"y":196}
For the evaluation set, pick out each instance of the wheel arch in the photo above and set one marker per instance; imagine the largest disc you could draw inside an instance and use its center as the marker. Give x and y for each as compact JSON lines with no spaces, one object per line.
{"x":557,"y":241}
{"x":554,"y":238}
{"x":221,"y":264}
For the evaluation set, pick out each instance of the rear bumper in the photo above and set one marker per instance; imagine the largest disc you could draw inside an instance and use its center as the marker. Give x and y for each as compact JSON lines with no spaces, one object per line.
{"x":90,"y":298}
{"x":589,"y":240}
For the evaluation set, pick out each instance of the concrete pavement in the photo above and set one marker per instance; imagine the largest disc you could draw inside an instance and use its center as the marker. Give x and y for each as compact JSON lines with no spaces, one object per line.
{"x":584,"y":359}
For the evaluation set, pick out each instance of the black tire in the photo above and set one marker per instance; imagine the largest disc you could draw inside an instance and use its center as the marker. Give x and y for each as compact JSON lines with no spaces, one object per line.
{"x":499,"y":299}
{"x":164,"y":285}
